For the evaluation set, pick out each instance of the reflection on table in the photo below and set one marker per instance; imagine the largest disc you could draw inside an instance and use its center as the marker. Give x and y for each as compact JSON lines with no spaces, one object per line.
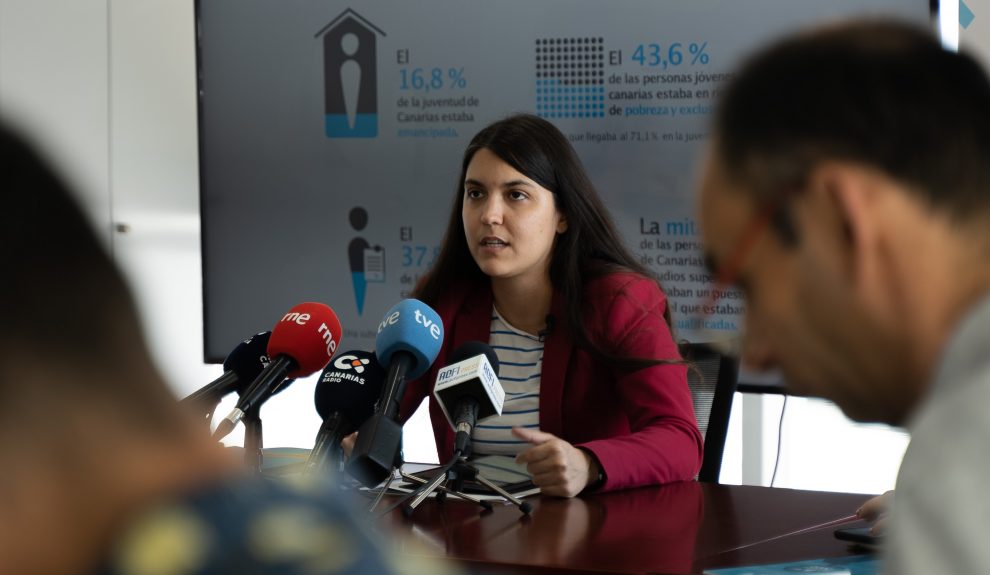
{"x":678,"y":528}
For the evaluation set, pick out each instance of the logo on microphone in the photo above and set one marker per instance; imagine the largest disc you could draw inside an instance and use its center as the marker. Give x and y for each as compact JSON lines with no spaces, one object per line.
{"x":449,"y":372}
{"x":297,"y":318}
{"x":346,"y":362}
{"x":350,"y":76}
{"x":422,"y":319}
{"x":327,"y":335}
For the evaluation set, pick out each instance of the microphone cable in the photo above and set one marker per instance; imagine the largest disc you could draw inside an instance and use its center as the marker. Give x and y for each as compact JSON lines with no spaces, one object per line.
{"x":780,"y":437}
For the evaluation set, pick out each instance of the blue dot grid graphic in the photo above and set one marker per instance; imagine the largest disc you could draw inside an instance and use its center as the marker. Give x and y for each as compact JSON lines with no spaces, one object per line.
{"x":570,"y":77}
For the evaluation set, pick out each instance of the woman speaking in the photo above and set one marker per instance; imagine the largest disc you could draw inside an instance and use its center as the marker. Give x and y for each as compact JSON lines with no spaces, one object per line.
{"x":596,"y":393}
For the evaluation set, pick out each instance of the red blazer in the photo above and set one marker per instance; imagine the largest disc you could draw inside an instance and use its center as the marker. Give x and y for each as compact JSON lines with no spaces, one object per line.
{"x":640,"y":425}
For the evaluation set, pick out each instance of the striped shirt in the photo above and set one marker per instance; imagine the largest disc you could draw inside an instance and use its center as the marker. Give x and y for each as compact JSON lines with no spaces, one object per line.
{"x":520,"y":358}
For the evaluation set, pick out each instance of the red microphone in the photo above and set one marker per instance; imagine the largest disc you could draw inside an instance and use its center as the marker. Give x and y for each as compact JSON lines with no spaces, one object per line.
{"x":302,"y":343}
{"x":309,"y":335}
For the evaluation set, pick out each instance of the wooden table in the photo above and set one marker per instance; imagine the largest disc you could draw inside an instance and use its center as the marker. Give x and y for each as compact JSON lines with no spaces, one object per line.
{"x":674,"y":529}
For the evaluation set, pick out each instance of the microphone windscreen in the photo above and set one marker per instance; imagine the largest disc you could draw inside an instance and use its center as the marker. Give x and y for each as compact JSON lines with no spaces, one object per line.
{"x":410,"y":326}
{"x":470,"y":349}
{"x":472,"y":372}
{"x":350,"y":385}
{"x":309,"y":333}
{"x":248,"y":359}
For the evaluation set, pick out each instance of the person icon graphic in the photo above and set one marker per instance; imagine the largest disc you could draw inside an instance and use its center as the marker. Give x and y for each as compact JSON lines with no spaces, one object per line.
{"x":350,"y":76}
{"x":367,"y":262}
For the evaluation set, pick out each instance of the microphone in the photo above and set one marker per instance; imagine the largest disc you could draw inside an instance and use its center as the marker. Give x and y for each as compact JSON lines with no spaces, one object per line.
{"x":345,"y":397}
{"x":468,"y":390}
{"x":408,"y":340}
{"x":242,"y":365}
{"x":302,"y":342}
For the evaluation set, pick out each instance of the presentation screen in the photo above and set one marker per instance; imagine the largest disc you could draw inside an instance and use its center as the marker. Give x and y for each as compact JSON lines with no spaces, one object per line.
{"x":331,"y":135}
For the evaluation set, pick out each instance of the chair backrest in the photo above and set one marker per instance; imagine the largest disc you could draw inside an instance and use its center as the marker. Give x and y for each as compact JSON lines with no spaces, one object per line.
{"x":712,"y":378}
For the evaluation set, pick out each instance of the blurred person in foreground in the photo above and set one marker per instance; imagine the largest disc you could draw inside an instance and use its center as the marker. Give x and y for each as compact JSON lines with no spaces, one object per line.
{"x":847,"y":192}
{"x":103,"y":472}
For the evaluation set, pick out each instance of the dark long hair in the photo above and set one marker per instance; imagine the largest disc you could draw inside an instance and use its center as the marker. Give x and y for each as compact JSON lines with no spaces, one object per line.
{"x":590,"y":247}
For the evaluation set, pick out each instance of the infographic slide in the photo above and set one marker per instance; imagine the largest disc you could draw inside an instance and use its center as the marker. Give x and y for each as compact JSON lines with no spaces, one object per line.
{"x":331,"y":135}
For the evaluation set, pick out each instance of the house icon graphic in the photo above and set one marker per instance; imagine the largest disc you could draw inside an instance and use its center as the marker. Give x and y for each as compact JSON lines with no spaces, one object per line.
{"x":350,"y":76}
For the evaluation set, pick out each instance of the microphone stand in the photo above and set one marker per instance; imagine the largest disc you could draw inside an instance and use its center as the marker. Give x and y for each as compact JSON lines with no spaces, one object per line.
{"x":213,"y":408}
{"x":450,"y":481}
{"x":205,"y":404}
{"x":253,"y":440}
{"x":396,"y":466}
{"x":210,"y":409}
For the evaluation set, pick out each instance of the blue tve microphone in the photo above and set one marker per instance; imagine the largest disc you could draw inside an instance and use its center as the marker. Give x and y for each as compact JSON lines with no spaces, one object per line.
{"x":409,"y":339}
{"x":345,"y":398}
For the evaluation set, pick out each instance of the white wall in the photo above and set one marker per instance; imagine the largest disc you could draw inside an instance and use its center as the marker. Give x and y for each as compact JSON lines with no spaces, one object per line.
{"x":108,"y":88}
{"x":154,"y":176}
{"x":53,"y":84}
{"x":820,"y":448}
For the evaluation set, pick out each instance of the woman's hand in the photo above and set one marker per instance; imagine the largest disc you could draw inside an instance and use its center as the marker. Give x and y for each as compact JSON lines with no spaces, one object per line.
{"x":557,"y":467}
{"x":347,"y":444}
{"x":876,"y":510}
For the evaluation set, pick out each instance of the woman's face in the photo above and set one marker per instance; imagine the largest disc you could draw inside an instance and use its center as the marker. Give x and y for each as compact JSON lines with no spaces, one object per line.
{"x":510,"y":221}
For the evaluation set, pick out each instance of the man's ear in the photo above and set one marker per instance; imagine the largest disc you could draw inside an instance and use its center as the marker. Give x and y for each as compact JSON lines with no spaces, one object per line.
{"x":842,"y":208}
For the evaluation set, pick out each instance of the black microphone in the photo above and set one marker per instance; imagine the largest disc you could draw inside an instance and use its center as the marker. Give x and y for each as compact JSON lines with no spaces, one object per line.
{"x":408,"y":340}
{"x":468,"y":391}
{"x":345,"y":398}
{"x":241,"y":366}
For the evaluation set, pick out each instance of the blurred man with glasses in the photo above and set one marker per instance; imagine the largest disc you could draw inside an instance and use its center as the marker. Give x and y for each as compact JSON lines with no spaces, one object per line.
{"x":847,"y":193}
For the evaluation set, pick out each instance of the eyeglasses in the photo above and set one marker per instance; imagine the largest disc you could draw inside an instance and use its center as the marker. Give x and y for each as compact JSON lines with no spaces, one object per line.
{"x":728,"y":273}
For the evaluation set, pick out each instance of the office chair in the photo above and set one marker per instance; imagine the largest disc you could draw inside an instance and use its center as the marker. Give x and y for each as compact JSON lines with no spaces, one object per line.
{"x":712,"y":379}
